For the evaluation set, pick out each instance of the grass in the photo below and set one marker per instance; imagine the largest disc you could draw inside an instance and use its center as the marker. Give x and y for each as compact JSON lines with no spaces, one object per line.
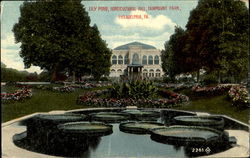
{"x":45,"y":101}
{"x":41,"y":101}
{"x":215,"y":105}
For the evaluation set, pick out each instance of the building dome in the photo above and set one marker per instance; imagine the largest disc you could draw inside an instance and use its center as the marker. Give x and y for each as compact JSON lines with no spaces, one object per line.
{"x":126,"y":46}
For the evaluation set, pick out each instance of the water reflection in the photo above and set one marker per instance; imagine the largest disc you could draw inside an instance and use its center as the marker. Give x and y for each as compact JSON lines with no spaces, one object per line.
{"x":57,"y":146}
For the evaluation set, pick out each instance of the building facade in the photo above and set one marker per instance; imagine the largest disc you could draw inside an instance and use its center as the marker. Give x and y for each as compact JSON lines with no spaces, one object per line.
{"x":147,"y":57}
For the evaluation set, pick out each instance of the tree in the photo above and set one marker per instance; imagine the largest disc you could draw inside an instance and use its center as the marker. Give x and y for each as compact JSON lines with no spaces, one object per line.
{"x":101,"y":55}
{"x":218,"y":36}
{"x":56,"y":36}
{"x":3,"y":65}
{"x":173,"y":57}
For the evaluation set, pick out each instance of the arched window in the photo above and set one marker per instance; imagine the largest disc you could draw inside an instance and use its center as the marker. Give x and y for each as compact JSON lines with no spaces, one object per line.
{"x":119,"y":71}
{"x":158,"y":73}
{"x":120,"y":59}
{"x":151,"y":73}
{"x":114,"y":59}
{"x":144,"y":60}
{"x":126,"y":59}
{"x":112,"y":72}
{"x":156,"y":60}
{"x":135,"y":59}
{"x":145,"y":73}
{"x":150,"y":60}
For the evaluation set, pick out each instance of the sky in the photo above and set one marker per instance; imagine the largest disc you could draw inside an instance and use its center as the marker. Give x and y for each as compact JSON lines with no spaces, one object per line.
{"x":155,"y":27}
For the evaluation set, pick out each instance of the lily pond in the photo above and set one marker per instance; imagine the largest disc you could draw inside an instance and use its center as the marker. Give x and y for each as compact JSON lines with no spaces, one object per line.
{"x":144,"y":133}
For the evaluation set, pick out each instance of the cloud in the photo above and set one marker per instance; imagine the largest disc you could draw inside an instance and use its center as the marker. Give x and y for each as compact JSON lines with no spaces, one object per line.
{"x":157,"y":41}
{"x":158,"y":22}
{"x":10,"y":54}
{"x":9,"y":42}
{"x":11,"y":58}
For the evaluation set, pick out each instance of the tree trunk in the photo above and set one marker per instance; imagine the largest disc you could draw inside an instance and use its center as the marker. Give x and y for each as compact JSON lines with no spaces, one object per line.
{"x":198,"y":75}
{"x":74,"y":77}
{"x":219,"y":77}
{"x":54,"y":73}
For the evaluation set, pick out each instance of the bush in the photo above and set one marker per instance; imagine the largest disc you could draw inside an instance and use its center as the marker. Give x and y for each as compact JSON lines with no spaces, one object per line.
{"x":209,"y":79}
{"x":211,"y":90}
{"x":134,"y":89}
{"x":18,"y":95}
{"x":239,"y":96}
{"x":169,"y":80}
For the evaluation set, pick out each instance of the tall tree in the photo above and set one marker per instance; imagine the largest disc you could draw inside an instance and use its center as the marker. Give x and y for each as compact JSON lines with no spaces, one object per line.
{"x":55,"y":35}
{"x":173,"y":57}
{"x":218,"y":36}
{"x":102,"y":54}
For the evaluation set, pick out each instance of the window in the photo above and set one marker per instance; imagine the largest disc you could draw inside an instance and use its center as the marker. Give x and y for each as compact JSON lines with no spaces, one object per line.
{"x":135,"y":59}
{"x":112,"y":71}
{"x":145,"y":73}
{"x":120,"y":59}
{"x":151,"y":73}
{"x":119,"y":71}
{"x":150,"y":60}
{"x":126,"y":59}
{"x":158,"y":73}
{"x":144,"y":60}
{"x":114,"y":59}
{"x":156,"y":60}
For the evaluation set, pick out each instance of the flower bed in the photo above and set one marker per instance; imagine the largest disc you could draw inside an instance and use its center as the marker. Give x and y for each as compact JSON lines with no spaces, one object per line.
{"x":64,"y":89}
{"x":211,"y":91}
{"x":71,"y":87}
{"x":239,"y":96}
{"x":90,"y":85}
{"x":16,"y":96}
{"x":91,"y":99}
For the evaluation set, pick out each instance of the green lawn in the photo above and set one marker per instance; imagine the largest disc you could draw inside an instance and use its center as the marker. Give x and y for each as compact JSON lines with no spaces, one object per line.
{"x":45,"y":101}
{"x":215,"y":105}
{"x":41,"y":101}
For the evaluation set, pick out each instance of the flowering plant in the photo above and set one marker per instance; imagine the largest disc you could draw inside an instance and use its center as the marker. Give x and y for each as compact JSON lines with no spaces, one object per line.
{"x":66,"y":89}
{"x":91,"y":99}
{"x":214,"y":90}
{"x":239,"y":96}
{"x":17,"y":95}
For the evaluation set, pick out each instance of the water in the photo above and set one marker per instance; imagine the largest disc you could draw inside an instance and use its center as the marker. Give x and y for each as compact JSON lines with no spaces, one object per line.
{"x":116,"y":145}
{"x":120,"y":144}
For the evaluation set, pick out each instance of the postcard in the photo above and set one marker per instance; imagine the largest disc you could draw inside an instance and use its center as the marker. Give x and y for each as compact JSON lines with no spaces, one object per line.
{"x":125,"y":78}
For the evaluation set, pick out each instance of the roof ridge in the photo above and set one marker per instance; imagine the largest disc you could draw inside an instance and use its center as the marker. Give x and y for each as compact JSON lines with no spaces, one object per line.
{"x":126,"y":46}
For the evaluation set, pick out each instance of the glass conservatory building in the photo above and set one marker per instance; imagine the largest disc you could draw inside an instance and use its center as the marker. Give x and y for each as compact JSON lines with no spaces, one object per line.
{"x":136,"y":58}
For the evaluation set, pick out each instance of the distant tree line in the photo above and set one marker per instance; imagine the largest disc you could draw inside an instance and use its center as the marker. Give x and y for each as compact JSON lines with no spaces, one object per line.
{"x":215,"y":40}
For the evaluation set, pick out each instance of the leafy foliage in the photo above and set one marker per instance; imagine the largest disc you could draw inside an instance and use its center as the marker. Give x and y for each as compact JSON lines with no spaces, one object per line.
{"x":216,"y":40}
{"x":217,"y":33}
{"x":57,"y":36}
{"x":239,"y":95}
{"x":13,"y":75}
{"x":173,"y":56}
{"x":134,"y":89}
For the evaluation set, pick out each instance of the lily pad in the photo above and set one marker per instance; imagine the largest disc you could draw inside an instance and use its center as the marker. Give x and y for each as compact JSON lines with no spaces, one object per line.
{"x":142,"y":127}
{"x":86,"y":128}
{"x":110,"y":117}
{"x":142,"y":114}
{"x":204,"y":121}
{"x":188,"y":135}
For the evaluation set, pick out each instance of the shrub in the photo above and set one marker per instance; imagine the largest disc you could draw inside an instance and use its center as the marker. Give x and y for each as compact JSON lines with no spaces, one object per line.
{"x":239,"y":96}
{"x":209,"y":79}
{"x":134,"y":89}
{"x":212,"y":90}
{"x":16,"y":96}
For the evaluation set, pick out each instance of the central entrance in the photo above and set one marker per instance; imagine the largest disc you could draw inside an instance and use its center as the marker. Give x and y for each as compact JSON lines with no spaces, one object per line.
{"x":135,"y":71}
